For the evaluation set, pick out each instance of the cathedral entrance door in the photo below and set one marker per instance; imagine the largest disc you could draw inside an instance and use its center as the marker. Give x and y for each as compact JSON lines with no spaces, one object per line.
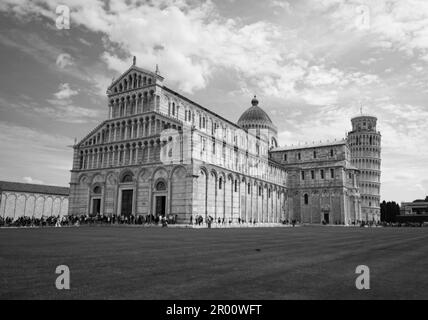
{"x":96,"y":207}
{"x":160,"y":205}
{"x":127,"y":196}
{"x":326,"y":218}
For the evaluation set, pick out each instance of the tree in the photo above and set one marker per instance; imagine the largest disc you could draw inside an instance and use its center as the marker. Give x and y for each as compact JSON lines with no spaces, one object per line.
{"x":389,"y":210}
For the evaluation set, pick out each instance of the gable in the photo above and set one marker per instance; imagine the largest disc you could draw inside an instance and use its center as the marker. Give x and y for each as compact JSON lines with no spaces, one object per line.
{"x":132,"y":79}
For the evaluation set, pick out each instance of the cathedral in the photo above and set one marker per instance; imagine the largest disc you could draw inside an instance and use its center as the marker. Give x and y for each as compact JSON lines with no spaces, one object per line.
{"x":160,"y":154}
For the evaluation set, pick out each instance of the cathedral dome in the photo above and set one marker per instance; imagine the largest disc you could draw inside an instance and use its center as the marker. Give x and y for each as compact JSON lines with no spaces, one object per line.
{"x":255,"y":117}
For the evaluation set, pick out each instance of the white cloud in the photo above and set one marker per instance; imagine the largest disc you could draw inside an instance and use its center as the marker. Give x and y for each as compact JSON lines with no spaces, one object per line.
{"x":64,"y":60}
{"x":187,"y":40}
{"x":65,"y":92}
{"x":368,"y":61}
{"x":31,"y":180}
{"x":315,"y":58}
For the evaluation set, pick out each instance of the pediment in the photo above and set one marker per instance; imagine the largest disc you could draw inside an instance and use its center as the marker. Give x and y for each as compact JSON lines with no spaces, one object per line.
{"x":132,"y":79}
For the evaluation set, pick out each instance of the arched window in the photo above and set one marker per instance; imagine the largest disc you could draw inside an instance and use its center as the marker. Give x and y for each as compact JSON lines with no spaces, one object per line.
{"x":220,"y":182}
{"x":236,"y":185}
{"x":249,"y":188}
{"x":306,"y":196}
{"x":97,"y":190}
{"x":160,"y":186}
{"x":127,"y":178}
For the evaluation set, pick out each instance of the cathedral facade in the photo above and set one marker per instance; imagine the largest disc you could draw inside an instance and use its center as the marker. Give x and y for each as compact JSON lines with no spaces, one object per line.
{"x":161,"y":154}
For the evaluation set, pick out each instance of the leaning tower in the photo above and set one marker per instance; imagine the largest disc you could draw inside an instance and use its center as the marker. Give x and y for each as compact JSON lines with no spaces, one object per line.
{"x":365,"y":146}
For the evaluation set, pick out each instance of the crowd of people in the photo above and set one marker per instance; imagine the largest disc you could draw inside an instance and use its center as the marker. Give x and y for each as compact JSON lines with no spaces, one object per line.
{"x":74,"y":220}
{"x":78,"y":220}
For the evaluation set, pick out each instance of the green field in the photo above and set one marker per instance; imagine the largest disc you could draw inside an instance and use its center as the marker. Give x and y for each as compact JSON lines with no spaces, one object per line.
{"x":174,"y":263}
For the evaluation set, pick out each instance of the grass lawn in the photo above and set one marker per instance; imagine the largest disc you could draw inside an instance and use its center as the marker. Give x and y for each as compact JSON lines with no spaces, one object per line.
{"x":172,"y":263}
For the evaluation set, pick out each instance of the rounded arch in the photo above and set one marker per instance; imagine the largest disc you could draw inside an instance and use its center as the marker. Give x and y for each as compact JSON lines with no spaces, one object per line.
{"x":179,"y":169}
{"x":204,"y":170}
{"x":306,"y":199}
{"x":161,"y":185}
{"x":160,"y":172}
{"x":83,"y":179}
{"x":98,"y":178}
{"x":126,"y":176}
{"x":97,"y":189}
{"x":111,"y":177}
{"x":214,"y":174}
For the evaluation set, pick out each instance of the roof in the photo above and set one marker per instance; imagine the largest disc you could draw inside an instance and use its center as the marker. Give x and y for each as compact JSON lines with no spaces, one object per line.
{"x":134,"y":67}
{"x":310,"y":146}
{"x":200,"y":106}
{"x":363,"y":115}
{"x":255,"y":115}
{"x":33,"y":188}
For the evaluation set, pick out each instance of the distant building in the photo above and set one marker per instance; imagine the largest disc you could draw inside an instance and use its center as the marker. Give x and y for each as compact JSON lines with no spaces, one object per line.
{"x":32,"y":200}
{"x":416,"y":211}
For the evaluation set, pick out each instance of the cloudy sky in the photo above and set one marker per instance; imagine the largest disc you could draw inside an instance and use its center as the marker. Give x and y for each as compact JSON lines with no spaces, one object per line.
{"x":312,"y":63}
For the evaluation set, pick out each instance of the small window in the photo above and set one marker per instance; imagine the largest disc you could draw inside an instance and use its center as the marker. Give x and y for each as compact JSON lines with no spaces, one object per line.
{"x":220,"y":182}
{"x":161,"y":186}
{"x":285,"y":157}
{"x":299,"y":156}
{"x":322,"y":174}
{"x":306,"y":198}
{"x":332,"y":173}
{"x":249,"y":188}
{"x":97,"y":190}
{"x":315,"y":154}
{"x":236,"y":185}
{"x":312,"y":174}
{"x":303,"y":175}
{"x":331,"y":153}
